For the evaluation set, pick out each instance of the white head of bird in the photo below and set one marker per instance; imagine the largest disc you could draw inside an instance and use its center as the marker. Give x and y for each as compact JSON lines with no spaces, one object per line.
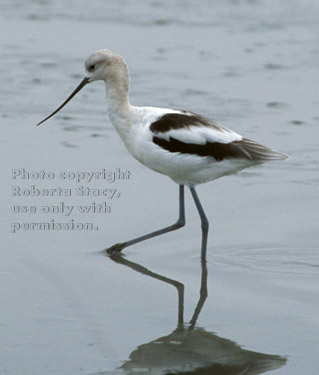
{"x":104,"y":65}
{"x":109,"y":67}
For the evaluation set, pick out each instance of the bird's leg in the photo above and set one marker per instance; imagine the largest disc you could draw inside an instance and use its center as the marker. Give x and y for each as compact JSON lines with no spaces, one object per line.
{"x":204,"y":221}
{"x":179,"y":223}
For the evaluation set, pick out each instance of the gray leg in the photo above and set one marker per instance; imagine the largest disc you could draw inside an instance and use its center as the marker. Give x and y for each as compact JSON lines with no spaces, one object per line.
{"x":179,"y":223}
{"x":204,"y":221}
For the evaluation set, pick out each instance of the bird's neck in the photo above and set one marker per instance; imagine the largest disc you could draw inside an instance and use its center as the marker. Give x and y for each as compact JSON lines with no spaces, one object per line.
{"x":117,"y":97}
{"x":119,"y":107}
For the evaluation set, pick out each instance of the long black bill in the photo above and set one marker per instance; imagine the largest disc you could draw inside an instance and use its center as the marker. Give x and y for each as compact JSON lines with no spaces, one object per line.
{"x":81,"y":85}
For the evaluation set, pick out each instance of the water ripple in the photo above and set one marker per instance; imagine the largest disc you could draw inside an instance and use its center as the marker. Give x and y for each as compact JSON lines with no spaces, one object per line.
{"x":274,"y":259}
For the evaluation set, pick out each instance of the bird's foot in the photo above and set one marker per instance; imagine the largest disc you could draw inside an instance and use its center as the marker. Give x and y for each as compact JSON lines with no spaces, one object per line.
{"x":115,"y":248}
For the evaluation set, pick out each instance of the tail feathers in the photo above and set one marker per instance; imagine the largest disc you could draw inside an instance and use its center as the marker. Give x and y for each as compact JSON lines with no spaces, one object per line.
{"x":258,"y":152}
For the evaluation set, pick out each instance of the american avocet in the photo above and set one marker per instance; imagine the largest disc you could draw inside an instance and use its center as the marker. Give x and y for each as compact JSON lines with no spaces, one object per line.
{"x":187,"y":147}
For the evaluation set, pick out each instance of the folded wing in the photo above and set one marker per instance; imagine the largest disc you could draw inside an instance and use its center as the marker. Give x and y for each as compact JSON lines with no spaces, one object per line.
{"x":189,"y":133}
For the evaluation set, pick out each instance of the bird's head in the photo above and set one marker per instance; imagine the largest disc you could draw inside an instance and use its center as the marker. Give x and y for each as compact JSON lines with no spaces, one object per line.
{"x":102,"y":65}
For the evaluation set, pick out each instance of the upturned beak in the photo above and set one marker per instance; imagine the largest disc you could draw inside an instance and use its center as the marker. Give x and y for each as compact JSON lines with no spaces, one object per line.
{"x":81,"y":85}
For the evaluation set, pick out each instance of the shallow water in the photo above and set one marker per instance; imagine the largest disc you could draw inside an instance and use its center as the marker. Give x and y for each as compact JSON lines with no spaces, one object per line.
{"x":66,"y":308}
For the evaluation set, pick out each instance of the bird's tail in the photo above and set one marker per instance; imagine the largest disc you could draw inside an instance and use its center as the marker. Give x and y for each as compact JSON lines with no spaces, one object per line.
{"x":258,"y":152}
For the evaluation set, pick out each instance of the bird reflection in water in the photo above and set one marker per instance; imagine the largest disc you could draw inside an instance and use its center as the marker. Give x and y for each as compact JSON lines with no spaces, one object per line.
{"x":190,"y":349}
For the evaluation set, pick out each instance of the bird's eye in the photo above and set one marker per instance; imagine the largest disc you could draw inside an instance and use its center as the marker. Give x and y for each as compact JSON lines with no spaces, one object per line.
{"x":91,"y":67}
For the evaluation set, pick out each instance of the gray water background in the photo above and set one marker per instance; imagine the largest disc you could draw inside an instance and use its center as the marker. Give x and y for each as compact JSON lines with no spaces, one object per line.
{"x":252,"y":66}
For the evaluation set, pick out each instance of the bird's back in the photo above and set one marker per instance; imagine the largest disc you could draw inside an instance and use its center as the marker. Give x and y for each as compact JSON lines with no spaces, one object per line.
{"x":192,"y":149}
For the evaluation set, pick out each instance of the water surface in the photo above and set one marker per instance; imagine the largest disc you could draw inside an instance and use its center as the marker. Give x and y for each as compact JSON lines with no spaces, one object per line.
{"x":66,"y":308}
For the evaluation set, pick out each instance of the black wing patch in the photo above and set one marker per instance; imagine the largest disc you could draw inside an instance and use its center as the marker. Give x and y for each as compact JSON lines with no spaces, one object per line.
{"x":219,"y":151}
{"x":244,"y":149}
{"x":175,"y":121}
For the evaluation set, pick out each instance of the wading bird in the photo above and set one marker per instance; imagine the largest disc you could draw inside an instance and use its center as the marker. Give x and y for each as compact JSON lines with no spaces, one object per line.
{"x":187,"y":147}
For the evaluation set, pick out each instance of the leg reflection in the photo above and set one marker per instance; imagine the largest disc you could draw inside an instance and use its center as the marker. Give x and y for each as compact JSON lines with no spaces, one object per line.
{"x":118,"y":258}
{"x":203,"y":294}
